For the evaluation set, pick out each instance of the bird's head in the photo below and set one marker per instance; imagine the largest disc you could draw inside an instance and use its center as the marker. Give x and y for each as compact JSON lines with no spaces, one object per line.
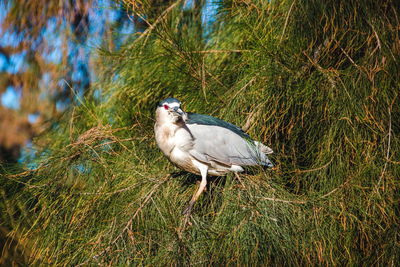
{"x":170,"y":110}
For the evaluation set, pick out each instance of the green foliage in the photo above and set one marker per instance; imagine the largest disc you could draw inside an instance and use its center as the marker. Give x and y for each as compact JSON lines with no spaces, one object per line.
{"x":315,"y":80}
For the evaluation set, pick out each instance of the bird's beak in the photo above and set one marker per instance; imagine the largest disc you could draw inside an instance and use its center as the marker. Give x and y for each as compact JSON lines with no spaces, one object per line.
{"x":178,"y":111}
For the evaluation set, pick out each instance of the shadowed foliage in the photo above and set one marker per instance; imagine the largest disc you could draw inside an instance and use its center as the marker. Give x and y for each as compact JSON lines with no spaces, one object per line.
{"x":317,"y":81}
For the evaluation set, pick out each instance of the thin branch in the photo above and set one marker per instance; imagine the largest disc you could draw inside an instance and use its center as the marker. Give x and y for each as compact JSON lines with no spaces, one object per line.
{"x":203,"y":79}
{"x":285,"y":201}
{"x":387,"y":150}
{"x":334,"y":190}
{"x":315,"y":169}
{"x":286,"y":21}
{"x":158,"y":20}
{"x":244,"y":87}
{"x":351,"y":60}
{"x":215,"y":51}
{"x":109,"y":193}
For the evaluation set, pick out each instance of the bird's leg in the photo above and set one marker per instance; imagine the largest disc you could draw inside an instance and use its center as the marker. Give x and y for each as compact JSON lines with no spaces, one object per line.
{"x":240,"y":180}
{"x":198,"y":184}
{"x":203,"y":170}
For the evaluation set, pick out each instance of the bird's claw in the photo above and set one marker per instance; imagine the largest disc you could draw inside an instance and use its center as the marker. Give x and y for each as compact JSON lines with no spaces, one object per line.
{"x":188,"y":210}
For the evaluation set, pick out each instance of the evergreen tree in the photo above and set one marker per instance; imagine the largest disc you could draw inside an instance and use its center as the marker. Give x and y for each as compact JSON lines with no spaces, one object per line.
{"x":315,"y":80}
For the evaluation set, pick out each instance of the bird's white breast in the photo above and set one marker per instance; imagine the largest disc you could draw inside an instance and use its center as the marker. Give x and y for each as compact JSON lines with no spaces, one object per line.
{"x":173,"y":140}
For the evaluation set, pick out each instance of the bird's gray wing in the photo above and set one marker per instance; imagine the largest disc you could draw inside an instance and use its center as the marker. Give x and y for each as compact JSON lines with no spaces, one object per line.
{"x":220,"y":144}
{"x":194,"y":118}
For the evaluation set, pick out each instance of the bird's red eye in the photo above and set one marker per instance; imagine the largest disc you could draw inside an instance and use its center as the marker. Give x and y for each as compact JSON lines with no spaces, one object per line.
{"x":166,"y":107}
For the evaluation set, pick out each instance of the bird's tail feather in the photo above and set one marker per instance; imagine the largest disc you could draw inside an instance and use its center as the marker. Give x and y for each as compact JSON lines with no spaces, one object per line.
{"x":262,"y":151}
{"x":263,"y":148}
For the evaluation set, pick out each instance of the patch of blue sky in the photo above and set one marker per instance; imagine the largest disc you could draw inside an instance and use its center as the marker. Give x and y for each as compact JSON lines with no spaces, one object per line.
{"x":17,"y":62}
{"x":11,"y":98}
{"x":109,"y":13}
{"x":103,"y":5}
{"x":72,"y":49}
{"x":10,"y":39}
{"x":210,"y":11}
{"x":3,"y":62}
{"x":33,"y":117}
{"x":115,"y":77}
{"x":208,"y":16}
{"x":97,"y":94}
{"x":105,"y":147}
{"x":94,"y":39}
{"x":80,"y":75}
{"x":126,"y":31}
{"x":100,"y":14}
{"x":62,"y":105}
{"x":4,"y":8}
{"x":28,"y":154}
{"x":188,"y":4}
{"x":96,"y":29}
{"x":14,"y":64}
{"x":54,"y":42}
{"x":82,"y":169}
{"x":79,"y":72}
{"x":128,"y":28}
{"x":113,"y":13}
{"x":44,"y":83}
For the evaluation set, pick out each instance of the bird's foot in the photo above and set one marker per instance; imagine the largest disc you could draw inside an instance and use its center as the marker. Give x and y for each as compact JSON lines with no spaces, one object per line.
{"x":186,"y":220}
{"x":188,"y":210}
{"x":240,"y":180}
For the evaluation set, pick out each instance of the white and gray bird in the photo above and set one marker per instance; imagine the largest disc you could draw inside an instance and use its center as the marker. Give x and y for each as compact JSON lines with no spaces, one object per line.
{"x":203,"y":145}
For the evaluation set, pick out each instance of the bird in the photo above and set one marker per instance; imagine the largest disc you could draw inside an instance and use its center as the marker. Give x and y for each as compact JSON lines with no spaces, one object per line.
{"x":204,"y":145}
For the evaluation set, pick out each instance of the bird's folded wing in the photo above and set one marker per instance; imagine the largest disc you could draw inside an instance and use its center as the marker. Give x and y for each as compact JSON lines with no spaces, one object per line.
{"x":201,"y":119}
{"x":219,"y":144}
